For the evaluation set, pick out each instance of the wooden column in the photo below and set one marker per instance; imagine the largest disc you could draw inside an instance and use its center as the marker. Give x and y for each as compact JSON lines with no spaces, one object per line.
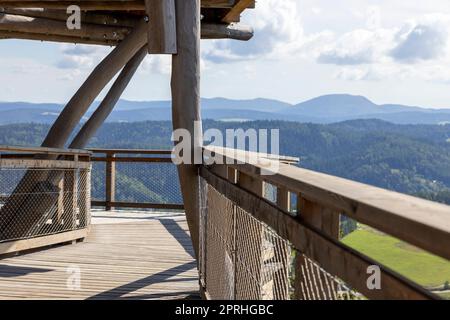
{"x":309,"y":280}
{"x":186,"y":102}
{"x":110,"y":192}
{"x":162,"y":37}
{"x":70,"y":194}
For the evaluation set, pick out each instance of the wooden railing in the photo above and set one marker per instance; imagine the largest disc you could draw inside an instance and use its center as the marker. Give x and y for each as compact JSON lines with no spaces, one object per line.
{"x":142,"y":162}
{"x":44,"y":197}
{"x":310,"y":229}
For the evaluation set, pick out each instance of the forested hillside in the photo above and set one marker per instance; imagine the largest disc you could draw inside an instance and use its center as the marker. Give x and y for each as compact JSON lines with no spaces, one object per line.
{"x":413,"y":159}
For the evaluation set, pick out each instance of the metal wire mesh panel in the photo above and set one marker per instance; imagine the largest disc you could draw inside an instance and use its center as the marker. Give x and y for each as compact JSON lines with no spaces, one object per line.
{"x":147,"y":183}
{"x":98,"y":181}
{"x":37,"y":201}
{"x":311,"y":282}
{"x":241,"y":258}
{"x":220,"y":247}
{"x":244,"y":259}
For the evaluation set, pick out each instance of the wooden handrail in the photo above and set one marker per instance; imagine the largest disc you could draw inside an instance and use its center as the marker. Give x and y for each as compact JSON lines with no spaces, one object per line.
{"x":335,"y":257}
{"x":43,"y":150}
{"x":130,"y":151}
{"x":423,"y":223}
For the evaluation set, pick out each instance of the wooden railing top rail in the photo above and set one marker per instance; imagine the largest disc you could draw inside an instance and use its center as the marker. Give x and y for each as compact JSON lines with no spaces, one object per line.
{"x":284,"y":159}
{"x":423,"y":223}
{"x":42,"y":150}
{"x":243,"y":156}
{"x":131,"y":151}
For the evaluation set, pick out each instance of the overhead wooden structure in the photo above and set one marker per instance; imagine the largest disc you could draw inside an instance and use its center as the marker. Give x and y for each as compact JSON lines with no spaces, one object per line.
{"x":108,"y":22}
{"x":134,"y":27}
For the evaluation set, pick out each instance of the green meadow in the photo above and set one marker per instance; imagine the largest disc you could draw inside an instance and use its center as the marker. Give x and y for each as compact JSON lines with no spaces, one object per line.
{"x":426,"y":269}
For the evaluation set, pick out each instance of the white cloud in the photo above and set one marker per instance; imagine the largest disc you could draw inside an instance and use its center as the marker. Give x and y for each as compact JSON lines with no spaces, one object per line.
{"x":414,"y":49}
{"x":278,"y":31}
{"x":424,"y":40}
{"x":77,"y":59}
{"x":159,"y":64}
{"x":360,"y":46}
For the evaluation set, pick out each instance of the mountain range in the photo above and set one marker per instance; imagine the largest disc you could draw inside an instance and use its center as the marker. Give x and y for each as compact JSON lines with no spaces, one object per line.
{"x":323,"y":109}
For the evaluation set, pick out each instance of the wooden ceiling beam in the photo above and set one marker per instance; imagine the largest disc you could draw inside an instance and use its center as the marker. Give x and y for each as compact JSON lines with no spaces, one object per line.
{"x":235,"y":13}
{"x":55,"y":38}
{"x":204,"y":3}
{"x":223,"y":31}
{"x":223,"y":3}
{"x":18,"y":23}
{"x":50,"y":26}
{"x":107,"y":19}
{"x":84,"y":5}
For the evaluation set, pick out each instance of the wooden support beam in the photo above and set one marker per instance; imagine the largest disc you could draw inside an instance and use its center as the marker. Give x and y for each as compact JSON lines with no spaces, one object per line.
{"x":16,"y":23}
{"x":109,"y":5}
{"x":59,"y":134}
{"x":105,"y":19}
{"x":236,"y":11}
{"x":55,"y":38}
{"x":225,"y":31}
{"x":161,"y":31}
{"x":186,"y":113}
{"x":107,"y":105}
{"x":223,"y":3}
{"x":99,"y":78}
{"x":50,"y":25}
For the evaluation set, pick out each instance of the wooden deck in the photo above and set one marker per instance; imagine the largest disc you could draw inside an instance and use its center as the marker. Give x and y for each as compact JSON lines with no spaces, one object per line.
{"x":132,"y":255}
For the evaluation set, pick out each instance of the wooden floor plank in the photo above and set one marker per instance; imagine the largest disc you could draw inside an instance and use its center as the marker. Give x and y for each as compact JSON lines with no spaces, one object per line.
{"x":127,"y":255}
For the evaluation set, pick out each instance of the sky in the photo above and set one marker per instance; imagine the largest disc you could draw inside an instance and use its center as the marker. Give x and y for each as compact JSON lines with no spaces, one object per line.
{"x":391,"y":51}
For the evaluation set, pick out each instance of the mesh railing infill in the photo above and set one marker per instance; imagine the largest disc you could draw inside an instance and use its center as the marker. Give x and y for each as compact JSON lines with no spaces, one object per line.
{"x":42,"y":201}
{"x":241,"y":258}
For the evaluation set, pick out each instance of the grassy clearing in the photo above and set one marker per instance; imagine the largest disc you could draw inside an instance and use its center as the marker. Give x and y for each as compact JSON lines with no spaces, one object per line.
{"x":421,"y":267}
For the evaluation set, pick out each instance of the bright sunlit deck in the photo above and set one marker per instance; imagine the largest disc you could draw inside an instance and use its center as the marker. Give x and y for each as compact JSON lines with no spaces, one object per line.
{"x":134,"y":255}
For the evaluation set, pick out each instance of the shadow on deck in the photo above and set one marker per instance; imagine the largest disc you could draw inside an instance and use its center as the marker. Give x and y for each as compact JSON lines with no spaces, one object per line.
{"x":127,"y":255}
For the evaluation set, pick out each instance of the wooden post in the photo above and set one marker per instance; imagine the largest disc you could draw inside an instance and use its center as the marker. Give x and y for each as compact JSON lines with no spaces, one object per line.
{"x":251,"y":184}
{"x":59,"y":214}
{"x":69,"y":210}
{"x":185,"y":85}
{"x":161,"y":26}
{"x":110,"y":181}
{"x":283,"y":198}
{"x":318,"y":216}
{"x":308,"y":278}
{"x":232,"y":175}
